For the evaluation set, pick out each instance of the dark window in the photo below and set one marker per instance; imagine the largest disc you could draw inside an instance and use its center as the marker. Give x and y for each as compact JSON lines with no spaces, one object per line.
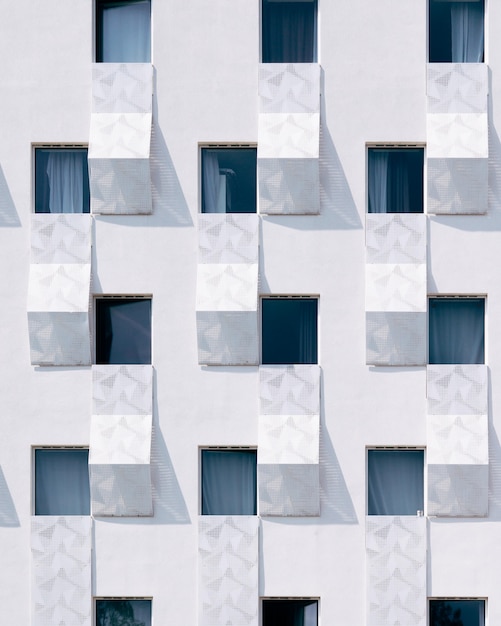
{"x":123,"y":612}
{"x":289,"y":31}
{"x":457,"y":613}
{"x":456,"y":330}
{"x":395,"y":180}
{"x":229,"y":482}
{"x":62,"y":481}
{"x":289,"y":330}
{"x":228,"y":180}
{"x":123,"y":31}
{"x":290,"y":612}
{"x":61,"y":180}
{"x":123,"y":330}
{"x":456,"y":31}
{"x":395,"y":482}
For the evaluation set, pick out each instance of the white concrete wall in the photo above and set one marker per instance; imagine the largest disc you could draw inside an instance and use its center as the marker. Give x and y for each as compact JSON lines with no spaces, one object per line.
{"x":373,"y":56}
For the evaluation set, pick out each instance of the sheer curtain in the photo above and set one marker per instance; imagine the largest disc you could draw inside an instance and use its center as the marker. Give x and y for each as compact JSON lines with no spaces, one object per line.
{"x":307,"y":331}
{"x":228,"y":482}
{"x":289,"y":32}
{"x":65,"y":171}
{"x":61,"y":482}
{"x":378,"y":181}
{"x":456,"y":330}
{"x":126,"y":32}
{"x":467,"y":32}
{"x":395,"y":181}
{"x":395,"y":482}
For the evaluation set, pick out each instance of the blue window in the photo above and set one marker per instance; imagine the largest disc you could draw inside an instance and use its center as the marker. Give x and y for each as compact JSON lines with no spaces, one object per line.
{"x":457,"y":612}
{"x":123,"y":31}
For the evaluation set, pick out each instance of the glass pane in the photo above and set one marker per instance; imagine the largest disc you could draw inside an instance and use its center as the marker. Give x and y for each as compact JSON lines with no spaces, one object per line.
{"x":395,"y":180}
{"x":123,"y":612}
{"x":228,"y":482}
{"x":289,"y":31}
{"x":124,"y":31}
{"x":456,"y":613}
{"x":61,"y":180}
{"x":289,"y":330}
{"x":456,"y":31}
{"x":62,"y":482}
{"x":290,"y":612}
{"x":395,"y":482}
{"x":123,"y":331}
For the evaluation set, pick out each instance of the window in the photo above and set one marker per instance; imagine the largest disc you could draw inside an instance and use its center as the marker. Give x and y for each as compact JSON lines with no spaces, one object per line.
{"x":62,"y":481}
{"x":289,"y":31}
{"x":61,"y":180}
{"x":395,"y":177}
{"x":456,"y":330}
{"x":289,"y":330}
{"x":457,"y":612}
{"x":395,"y":482}
{"x":123,"y":31}
{"x":289,"y":612}
{"x":123,"y":612}
{"x":228,"y":180}
{"x":123,"y":330}
{"x":229,"y":482}
{"x":456,"y":31}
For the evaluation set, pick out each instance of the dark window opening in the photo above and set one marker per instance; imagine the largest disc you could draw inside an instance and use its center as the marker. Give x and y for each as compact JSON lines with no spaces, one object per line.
{"x":289,"y":31}
{"x":123,"y":612}
{"x":456,"y":31}
{"x":290,"y":612}
{"x":123,"y":31}
{"x":457,"y":612}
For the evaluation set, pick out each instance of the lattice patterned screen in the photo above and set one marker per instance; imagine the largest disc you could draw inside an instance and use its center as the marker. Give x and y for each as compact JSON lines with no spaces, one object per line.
{"x":228,"y":548}
{"x":120,"y":440}
{"x":395,"y":289}
{"x":458,"y":446}
{"x":59,"y":289}
{"x":120,"y":137}
{"x":289,"y":440}
{"x":289,"y":138}
{"x":457,"y":129}
{"x":61,"y":570}
{"x":227,"y":289}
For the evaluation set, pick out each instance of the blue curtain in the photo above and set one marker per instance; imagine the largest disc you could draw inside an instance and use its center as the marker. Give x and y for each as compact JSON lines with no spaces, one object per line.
{"x":457,"y":613}
{"x":61,"y":181}
{"x":289,"y":31}
{"x":395,"y":180}
{"x":456,"y":330}
{"x":290,"y":613}
{"x":126,"y":30}
{"x":228,"y":482}
{"x":467,"y":32}
{"x":62,"y":482}
{"x":395,"y":482}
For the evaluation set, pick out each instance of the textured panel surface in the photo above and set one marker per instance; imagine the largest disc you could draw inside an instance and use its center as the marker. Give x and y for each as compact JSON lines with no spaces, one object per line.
{"x":228,"y":549}
{"x":457,"y":389}
{"x":121,"y":490}
{"x":120,"y":136}
{"x":59,"y":338}
{"x":289,"y":186}
{"x":288,"y":136}
{"x":122,"y":390}
{"x":289,"y":490}
{"x":395,"y":338}
{"x":289,"y":390}
{"x":458,"y":490}
{"x":457,"y":87}
{"x":395,"y":238}
{"x":62,"y":238}
{"x":396,"y":571}
{"x":227,"y":287}
{"x":395,"y":287}
{"x":457,"y":440}
{"x":120,"y":186}
{"x":227,"y":337}
{"x":58,"y":288}
{"x":228,"y":238}
{"x":458,"y":186}
{"x":289,"y":88}
{"x":122,"y":87}
{"x":457,"y":135}
{"x":120,"y":439}
{"x":61,"y":571}
{"x":288,"y":439}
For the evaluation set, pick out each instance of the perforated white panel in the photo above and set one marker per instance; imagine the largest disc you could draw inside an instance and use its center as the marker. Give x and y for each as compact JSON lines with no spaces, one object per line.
{"x":61,"y":238}
{"x":458,"y":490}
{"x":228,"y":549}
{"x":289,"y":88}
{"x":120,"y":440}
{"x":122,"y":389}
{"x":396,"y":570}
{"x":292,"y":439}
{"x":120,"y":186}
{"x":289,"y":186}
{"x":288,"y":136}
{"x":120,"y":136}
{"x":227,"y":287}
{"x":59,"y":288}
{"x":122,"y":87}
{"x":458,"y":186}
{"x":457,"y":440}
{"x":457,"y":87}
{"x":228,"y":238}
{"x":395,"y":238}
{"x":395,"y":338}
{"x":289,"y":390}
{"x":457,"y":389}
{"x":121,"y":490}
{"x":395,"y":287}
{"x":289,"y":490}
{"x":61,"y":571}
{"x":457,"y":136}
{"x":227,"y":337}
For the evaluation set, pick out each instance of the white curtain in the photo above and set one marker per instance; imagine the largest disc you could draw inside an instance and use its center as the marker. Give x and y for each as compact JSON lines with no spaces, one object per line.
{"x":456,"y":330}
{"x":378,"y":181}
{"x":126,"y":32}
{"x":467,"y":32}
{"x":228,"y":482}
{"x":395,"y":482}
{"x":214,"y":201}
{"x":65,"y":169}
{"x":62,"y":482}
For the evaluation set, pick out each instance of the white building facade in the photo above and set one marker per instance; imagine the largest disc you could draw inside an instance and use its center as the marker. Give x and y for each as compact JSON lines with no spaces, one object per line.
{"x":251,"y":293}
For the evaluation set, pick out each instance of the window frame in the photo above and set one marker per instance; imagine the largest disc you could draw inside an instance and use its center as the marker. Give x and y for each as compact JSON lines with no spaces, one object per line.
{"x":96,"y":599}
{"x":264,"y":599}
{"x":458,"y":599}
{"x":75,"y":146}
{"x":125,"y":297}
{"x":225,"y":146}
